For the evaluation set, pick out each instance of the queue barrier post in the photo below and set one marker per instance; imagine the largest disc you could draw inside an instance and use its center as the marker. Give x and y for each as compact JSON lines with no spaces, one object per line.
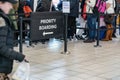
{"x":21,"y":33}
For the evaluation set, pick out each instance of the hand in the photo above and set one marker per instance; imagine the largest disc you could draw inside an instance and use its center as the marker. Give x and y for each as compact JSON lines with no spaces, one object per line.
{"x":87,"y":1}
{"x":26,"y":60}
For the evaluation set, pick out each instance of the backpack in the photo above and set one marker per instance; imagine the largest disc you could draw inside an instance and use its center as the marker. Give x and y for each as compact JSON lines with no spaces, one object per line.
{"x":43,"y":5}
{"x":100,"y":7}
{"x":84,"y":15}
{"x":27,"y":10}
{"x":83,"y":10}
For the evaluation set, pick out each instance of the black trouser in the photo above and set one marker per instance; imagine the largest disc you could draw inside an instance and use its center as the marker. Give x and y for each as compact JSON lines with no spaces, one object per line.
{"x":117,"y":9}
{"x":71,"y":26}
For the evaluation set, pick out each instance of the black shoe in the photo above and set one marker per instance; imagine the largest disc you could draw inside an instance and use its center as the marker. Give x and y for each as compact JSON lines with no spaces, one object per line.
{"x":81,"y":38}
{"x":77,"y":37}
{"x":114,"y":36}
{"x":70,"y":38}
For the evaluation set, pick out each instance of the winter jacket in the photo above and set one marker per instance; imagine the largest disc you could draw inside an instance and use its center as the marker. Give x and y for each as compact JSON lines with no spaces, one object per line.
{"x":7,"y":54}
{"x":44,"y":5}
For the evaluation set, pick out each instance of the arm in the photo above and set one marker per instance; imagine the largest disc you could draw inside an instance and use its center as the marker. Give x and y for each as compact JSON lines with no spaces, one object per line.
{"x":90,"y":3}
{"x":5,"y":50}
{"x":108,"y":5}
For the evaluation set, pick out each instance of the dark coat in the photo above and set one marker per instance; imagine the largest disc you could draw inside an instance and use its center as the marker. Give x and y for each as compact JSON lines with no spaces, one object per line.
{"x":7,"y":54}
{"x":44,"y":5}
{"x":74,"y":7}
{"x":59,"y":6}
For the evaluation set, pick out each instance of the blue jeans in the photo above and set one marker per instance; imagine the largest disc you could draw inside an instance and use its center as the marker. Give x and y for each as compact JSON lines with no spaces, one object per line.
{"x":91,"y":22}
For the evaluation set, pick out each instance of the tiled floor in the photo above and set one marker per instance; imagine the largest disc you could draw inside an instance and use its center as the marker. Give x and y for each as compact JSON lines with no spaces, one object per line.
{"x":85,"y":62}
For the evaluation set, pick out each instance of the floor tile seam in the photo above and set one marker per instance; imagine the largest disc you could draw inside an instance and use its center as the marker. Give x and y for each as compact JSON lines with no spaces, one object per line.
{"x":104,"y":65}
{"x":106,"y":77}
{"x":99,"y":75}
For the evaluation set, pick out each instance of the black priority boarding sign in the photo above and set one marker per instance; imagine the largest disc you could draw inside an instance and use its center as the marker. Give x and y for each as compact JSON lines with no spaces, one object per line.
{"x":46,"y":25}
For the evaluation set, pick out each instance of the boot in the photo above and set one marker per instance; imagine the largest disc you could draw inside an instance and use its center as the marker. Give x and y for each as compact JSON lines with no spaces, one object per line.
{"x":108,"y":32}
{"x":111,"y":33}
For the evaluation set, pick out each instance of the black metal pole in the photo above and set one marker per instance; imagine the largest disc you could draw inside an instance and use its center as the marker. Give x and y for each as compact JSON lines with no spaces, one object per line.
{"x":118,"y":17}
{"x":65,"y":38}
{"x":98,"y":32}
{"x":66,"y":23}
{"x":21,"y":33}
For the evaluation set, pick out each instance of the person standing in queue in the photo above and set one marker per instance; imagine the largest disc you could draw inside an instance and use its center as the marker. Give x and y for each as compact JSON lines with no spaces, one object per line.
{"x":91,"y":21}
{"x":74,"y":12}
{"x":7,"y":54}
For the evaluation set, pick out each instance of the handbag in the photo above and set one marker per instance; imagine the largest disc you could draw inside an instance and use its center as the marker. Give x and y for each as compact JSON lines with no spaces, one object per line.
{"x":99,"y":7}
{"x":84,"y":15}
{"x":27,"y":10}
{"x":22,"y":72}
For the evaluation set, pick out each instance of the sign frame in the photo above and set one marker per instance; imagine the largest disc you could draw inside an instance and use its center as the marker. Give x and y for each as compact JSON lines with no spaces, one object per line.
{"x":45,"y":25}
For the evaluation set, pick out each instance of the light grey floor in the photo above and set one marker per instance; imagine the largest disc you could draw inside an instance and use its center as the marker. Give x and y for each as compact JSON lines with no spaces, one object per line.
{"x":85,"y":62}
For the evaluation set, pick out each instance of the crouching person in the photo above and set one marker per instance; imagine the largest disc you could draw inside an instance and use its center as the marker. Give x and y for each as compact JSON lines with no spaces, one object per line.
{"x":7,"y":54}
{"x":108,"y":20}
{"x":110,"y":5}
